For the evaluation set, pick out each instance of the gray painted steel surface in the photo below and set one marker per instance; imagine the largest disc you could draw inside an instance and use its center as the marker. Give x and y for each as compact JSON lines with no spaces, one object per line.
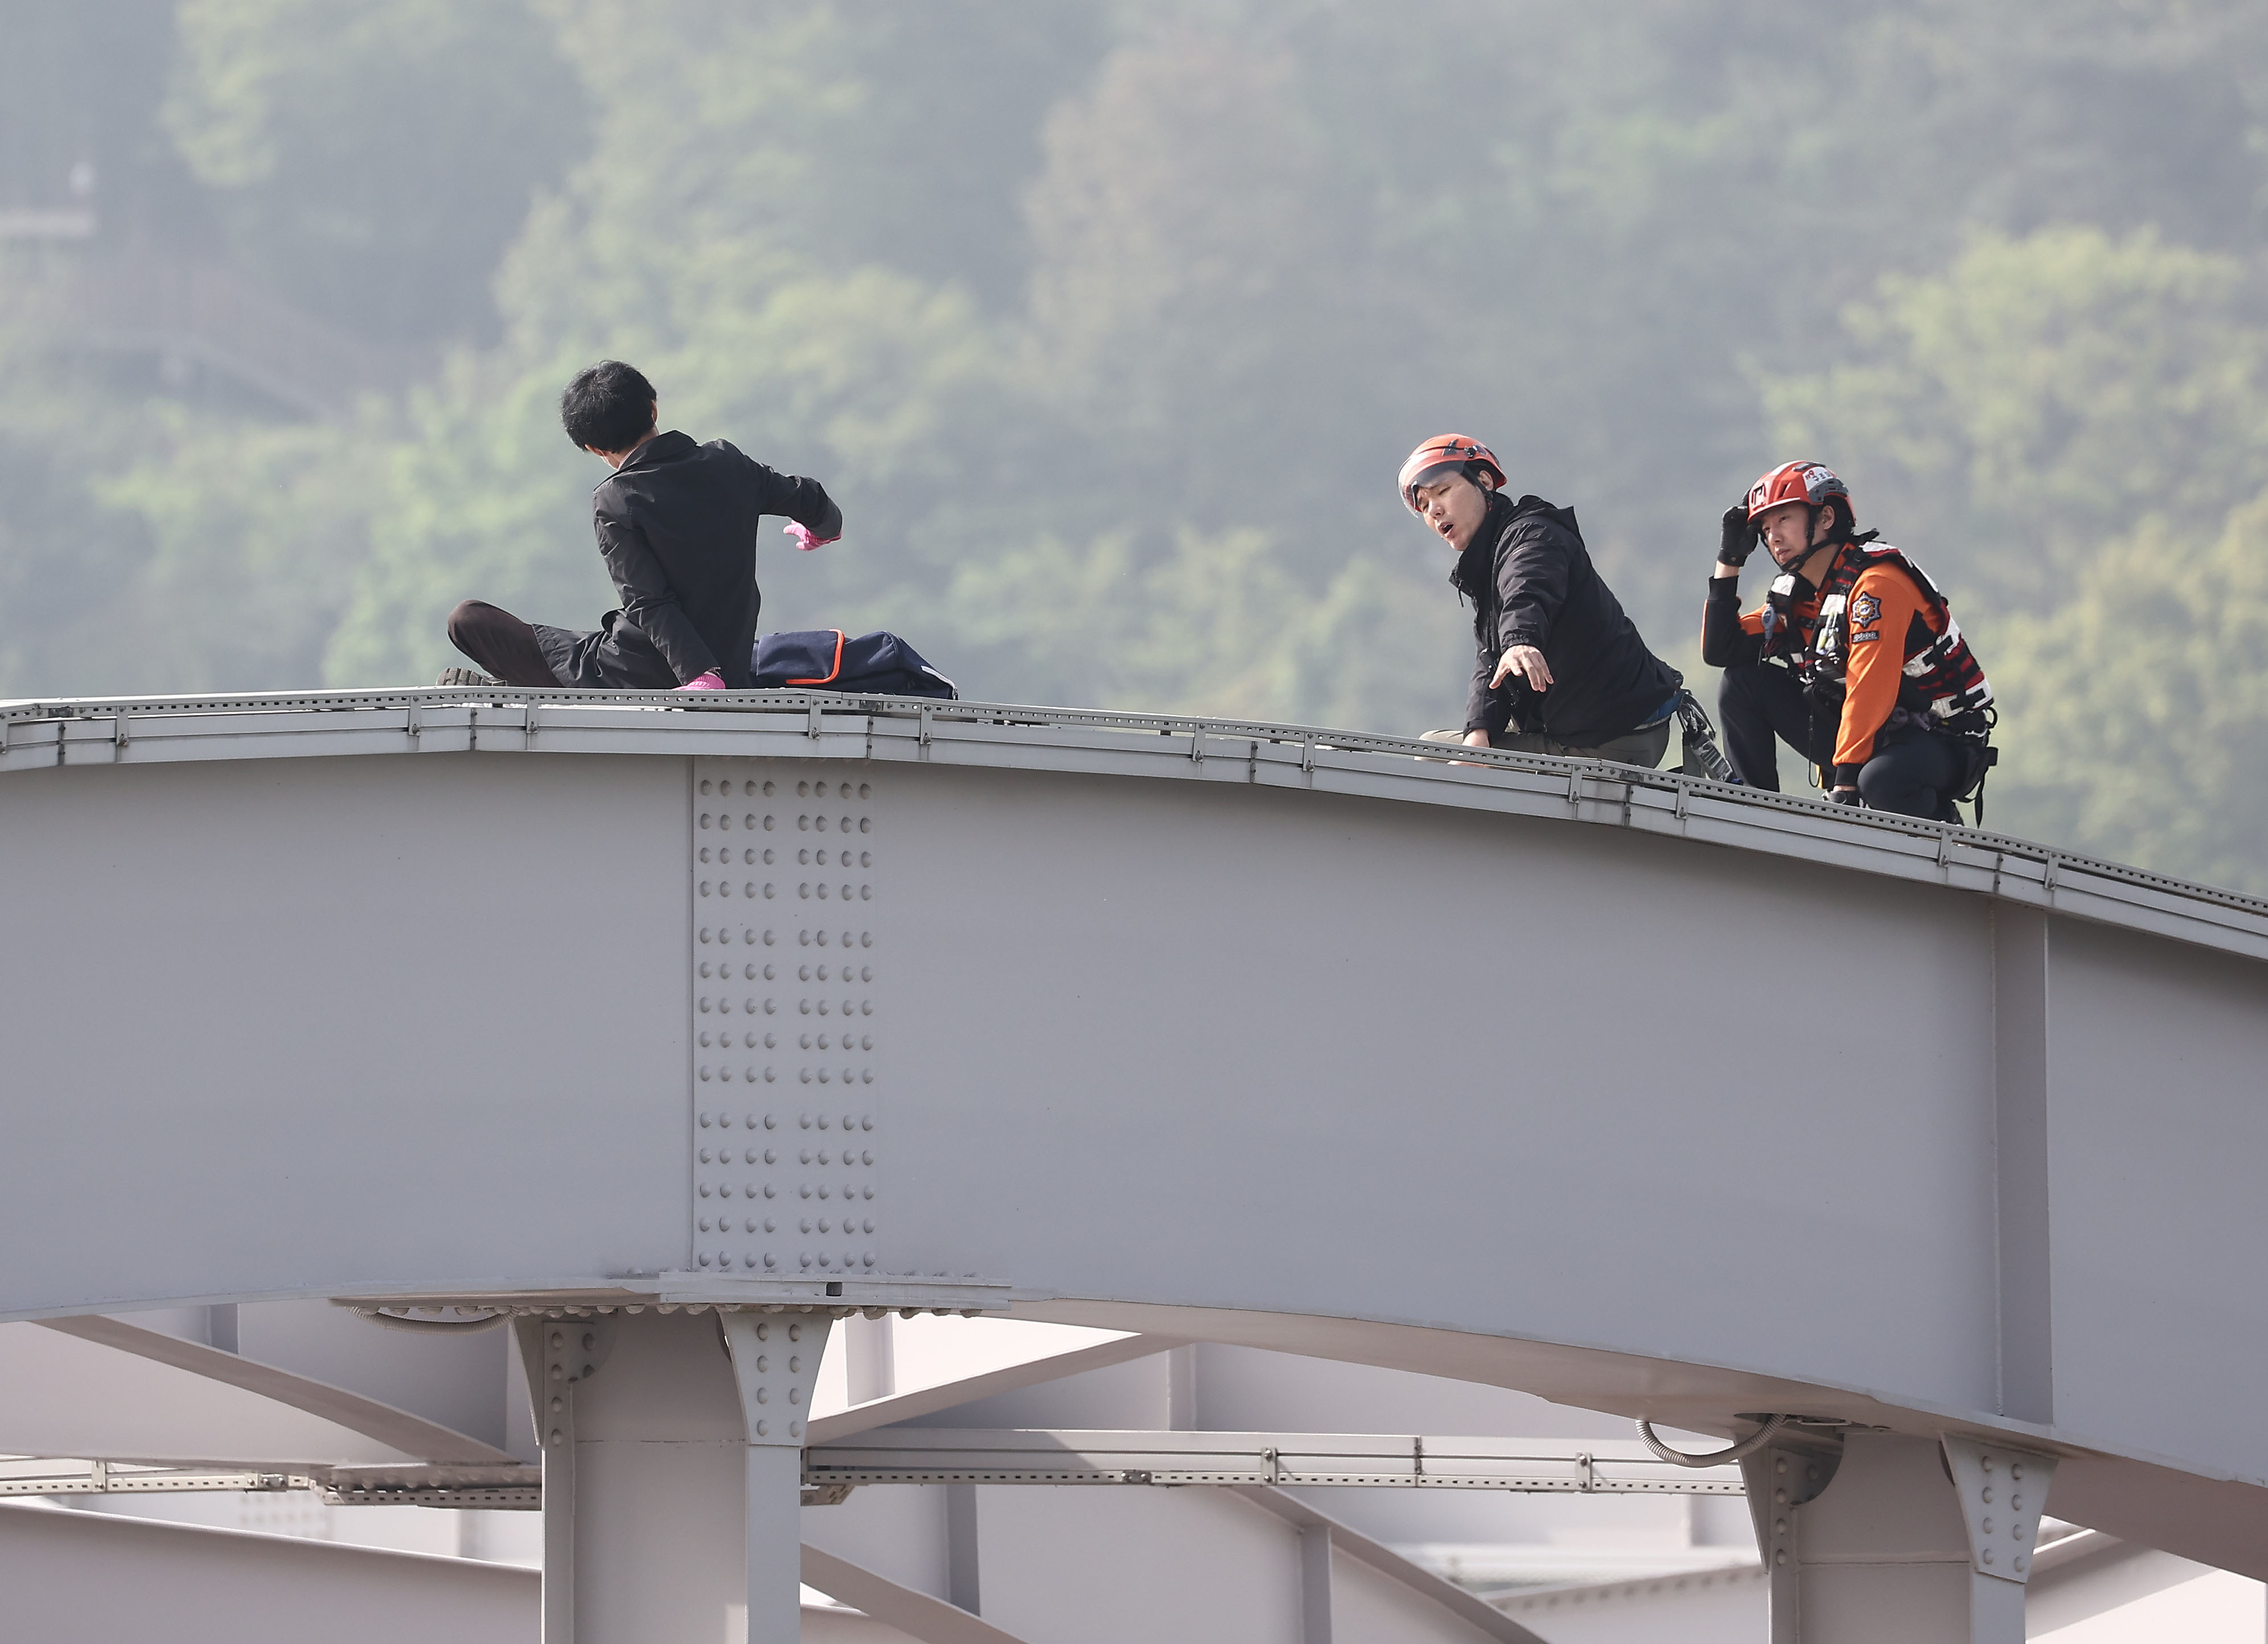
{"x":1240,"y":1033}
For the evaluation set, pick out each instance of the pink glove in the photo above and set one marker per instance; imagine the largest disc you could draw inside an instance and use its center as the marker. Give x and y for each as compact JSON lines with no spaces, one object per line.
{"x":711,"y":680}
{"x":804,"y":539}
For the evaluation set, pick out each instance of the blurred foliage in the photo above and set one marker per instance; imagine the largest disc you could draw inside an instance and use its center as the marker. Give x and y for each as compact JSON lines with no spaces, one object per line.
{"x":2072,"y":433}
{"x":1109,"y":325}
{"x":374,"y":158}
{"x":2142,"y":705}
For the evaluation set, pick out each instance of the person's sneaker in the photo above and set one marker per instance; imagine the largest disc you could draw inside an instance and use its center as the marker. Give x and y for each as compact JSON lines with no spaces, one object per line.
{"x":465,"y":676}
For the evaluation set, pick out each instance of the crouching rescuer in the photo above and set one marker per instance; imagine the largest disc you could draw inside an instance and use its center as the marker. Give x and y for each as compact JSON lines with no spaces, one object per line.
{"x":1853,"y":660}
{"x":1561,"y":669}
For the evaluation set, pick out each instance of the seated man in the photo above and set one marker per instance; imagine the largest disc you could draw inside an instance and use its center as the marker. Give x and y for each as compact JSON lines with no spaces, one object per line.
{"x":1561,"y":669}
{"x":677,"y":527}
{"x":1854,"y":660}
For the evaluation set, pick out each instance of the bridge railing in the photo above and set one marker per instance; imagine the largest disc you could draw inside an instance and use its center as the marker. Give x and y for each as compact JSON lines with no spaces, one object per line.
{"x":44,"y":733}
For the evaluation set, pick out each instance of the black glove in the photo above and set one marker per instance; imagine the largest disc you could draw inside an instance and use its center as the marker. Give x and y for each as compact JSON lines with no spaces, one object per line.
{"x":1843,"y":796}
{"x":1738,"y":539}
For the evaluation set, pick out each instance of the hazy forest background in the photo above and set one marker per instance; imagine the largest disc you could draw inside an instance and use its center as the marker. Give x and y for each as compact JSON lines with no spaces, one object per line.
{"x":1109,"y":325}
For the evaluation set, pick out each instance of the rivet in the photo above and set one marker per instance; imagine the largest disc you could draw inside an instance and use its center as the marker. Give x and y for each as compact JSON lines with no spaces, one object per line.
{"x":707,"y":1119}
{"x":762,"y":1427}
{"x":2015,"y":1504}
{"x":795,"y":1333}
{"x":704,"y":1259}
{"x":772,"y":1121}
{"x":867,"y":1123}
{"x":795,"y":1429}
{"x":763,"y":1396}
{"x":795,"y":1395}
{"x":2015,"y":1469}
{"x":2019,"y":1564}
{"x":1987,"y":1524}
{"x":558,"y":1437}
{"x":1988,"y":1555}
{"x":1780,"y":1557}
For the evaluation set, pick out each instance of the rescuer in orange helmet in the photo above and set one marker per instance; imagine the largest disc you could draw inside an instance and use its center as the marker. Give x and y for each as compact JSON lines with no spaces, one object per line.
{"x":1853,"y":660}
{"x":1561,"y":669}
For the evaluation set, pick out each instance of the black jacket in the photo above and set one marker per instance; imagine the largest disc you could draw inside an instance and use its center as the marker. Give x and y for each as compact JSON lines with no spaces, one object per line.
{"x":677,"y":527}
{"x":1532,"y":583}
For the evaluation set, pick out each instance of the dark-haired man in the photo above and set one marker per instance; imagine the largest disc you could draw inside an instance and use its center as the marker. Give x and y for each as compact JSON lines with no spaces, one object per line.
{"x":676,"y":523}
{"x":1561,"y":669}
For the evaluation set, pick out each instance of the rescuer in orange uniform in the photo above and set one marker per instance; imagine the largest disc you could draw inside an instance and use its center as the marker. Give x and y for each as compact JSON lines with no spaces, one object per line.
{"x":1853,"y":659}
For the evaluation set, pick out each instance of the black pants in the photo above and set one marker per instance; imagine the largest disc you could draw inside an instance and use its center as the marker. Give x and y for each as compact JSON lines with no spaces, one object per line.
{"x":500,"y":643}
{"x":1914,"y":771}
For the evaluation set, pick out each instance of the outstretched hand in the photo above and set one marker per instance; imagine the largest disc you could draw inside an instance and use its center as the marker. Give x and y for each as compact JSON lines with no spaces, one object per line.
{"x":804,"y":539}
{"x":1528,"y":663}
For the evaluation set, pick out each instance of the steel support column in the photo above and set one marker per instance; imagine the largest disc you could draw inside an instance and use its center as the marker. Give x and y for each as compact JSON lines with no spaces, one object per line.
{"x":1897,"y":1540}
{"x":776,"y":1362}
{"x":672,"y":1472}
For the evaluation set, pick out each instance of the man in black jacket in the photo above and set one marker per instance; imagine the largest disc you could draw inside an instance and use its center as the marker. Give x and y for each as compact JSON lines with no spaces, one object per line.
{"x":1561,"y":669}
{"x":677,"y":527}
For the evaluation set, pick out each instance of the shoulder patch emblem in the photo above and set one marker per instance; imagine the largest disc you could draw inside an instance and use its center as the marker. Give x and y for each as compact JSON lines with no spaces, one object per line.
{"x":1864,"y":608}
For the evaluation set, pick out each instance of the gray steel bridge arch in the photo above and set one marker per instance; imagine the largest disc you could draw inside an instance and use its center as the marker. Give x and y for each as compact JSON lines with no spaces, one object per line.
{"x":1640,"y":1093}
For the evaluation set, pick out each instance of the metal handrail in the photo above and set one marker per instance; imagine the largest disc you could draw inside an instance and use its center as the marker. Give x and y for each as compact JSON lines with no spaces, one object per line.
{"x":1199,"y":729}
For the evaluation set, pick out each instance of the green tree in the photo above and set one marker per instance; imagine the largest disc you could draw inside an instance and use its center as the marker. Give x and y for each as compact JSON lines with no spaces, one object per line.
{"x":2072,"y":429}
{"x":2138,"y":708}
{"x":373,"y":159}
{"x":2040,"y":396}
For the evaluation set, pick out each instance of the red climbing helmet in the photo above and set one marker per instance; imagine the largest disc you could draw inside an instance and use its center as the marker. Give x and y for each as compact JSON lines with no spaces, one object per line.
{"x":1441,"y":454}
{"x":1810,"y":483}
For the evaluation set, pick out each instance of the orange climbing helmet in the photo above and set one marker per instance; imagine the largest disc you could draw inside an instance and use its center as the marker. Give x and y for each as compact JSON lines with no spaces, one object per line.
{"x":1442,"y":453}
{"x":1808,"y":483}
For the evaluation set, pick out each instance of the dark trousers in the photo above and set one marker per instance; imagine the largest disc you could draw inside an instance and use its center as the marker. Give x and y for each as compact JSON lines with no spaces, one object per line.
{"x":1915,"y":771}
{"x":500,"y":643}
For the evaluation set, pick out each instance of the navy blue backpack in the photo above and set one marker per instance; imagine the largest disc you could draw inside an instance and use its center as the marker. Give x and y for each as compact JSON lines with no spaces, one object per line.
{"x":827,"y":659}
